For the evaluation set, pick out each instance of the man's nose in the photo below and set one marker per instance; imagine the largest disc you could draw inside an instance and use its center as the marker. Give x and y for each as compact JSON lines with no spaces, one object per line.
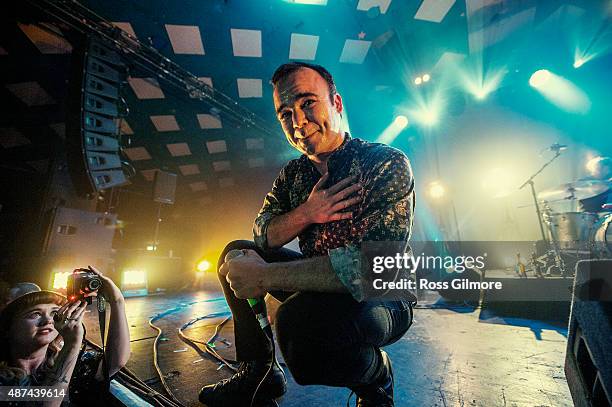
{"x":299,"y":121}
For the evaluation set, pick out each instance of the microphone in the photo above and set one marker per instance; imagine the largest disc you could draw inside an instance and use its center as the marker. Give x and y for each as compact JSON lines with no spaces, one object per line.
{"x":557,"y":147}
{"x":258,"y":305}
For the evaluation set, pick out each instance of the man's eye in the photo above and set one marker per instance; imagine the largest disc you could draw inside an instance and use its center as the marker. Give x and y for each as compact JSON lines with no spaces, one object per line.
{"x":34,"y":315}
{"x":308,"y":103}
{"x":285,"y":115}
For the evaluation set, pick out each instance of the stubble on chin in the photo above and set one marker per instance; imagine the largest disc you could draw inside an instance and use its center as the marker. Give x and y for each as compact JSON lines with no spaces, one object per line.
{"x":309,"y":149}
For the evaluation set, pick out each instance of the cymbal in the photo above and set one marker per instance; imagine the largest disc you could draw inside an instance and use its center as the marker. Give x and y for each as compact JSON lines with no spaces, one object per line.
{"x":574,"y":190}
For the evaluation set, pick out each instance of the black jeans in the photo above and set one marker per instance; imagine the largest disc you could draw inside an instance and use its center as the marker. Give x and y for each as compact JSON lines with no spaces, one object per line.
{"x":325,"y":338}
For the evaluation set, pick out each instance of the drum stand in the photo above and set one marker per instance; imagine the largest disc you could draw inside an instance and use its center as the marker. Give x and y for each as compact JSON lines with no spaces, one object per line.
{"x":554,"y":254}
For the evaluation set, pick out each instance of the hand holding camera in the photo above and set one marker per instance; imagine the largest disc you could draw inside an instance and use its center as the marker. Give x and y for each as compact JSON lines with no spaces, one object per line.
{"x":68,"y":321}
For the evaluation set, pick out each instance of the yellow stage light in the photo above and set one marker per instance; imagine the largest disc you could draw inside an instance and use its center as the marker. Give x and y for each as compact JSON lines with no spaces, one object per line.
{"x":203,"y":265}
{"x":134,"y":278}
{"x":436,"y":190}
{"x":60,"y":279}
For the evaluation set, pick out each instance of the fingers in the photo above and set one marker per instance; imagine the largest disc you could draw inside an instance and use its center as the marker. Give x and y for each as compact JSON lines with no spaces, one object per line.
{"x":73,"y":306}
{"x":341,"y":216}
{"x":62,"y":309}
{"x":99,"y":273}
{"x":341,"y":184}
{"x":346,"y":192}
{"x":94,"y":270}
{"x":80,"y":311}
{"x":69,"y":313}
{"x":224,"y":269}
{"x":321,"y":181}
{"x":345,"y":204}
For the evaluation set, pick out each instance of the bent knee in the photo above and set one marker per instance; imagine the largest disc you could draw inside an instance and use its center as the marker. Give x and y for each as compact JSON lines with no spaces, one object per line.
{"x":234,"y":245}
{"x":303,"y":367}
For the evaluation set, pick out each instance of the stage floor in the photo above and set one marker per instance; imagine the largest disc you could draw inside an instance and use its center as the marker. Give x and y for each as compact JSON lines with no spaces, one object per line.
{"x":451,"y":356}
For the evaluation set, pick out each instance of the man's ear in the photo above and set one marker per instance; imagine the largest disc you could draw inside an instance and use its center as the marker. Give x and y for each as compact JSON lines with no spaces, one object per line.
{"x":338,"y":103}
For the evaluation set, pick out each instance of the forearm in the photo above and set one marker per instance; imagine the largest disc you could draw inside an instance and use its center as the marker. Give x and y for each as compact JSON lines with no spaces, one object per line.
{"x":313,"y":274}
{"x":284,"y":228}
{"x":118,"y":339}
{"x":59,"y":375}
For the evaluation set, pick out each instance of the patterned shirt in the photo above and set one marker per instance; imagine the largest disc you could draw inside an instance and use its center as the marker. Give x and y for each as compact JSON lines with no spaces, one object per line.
{"x":385,"y":212}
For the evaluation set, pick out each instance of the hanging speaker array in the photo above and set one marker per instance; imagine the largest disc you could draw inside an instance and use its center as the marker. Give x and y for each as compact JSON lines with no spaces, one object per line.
{"x":95,"y":109}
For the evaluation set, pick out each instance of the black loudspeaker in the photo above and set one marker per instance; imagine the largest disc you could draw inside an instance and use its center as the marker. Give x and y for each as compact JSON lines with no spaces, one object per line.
{"x":164,"y":187}
{"x":94,"y":107}
{"x":588,"y":361}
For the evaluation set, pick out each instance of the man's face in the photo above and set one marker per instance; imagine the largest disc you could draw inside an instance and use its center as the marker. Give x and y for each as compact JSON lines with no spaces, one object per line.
{"x":310,"y":120}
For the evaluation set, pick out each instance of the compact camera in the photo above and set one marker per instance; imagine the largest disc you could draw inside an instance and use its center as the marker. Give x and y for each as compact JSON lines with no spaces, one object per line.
{"x":80,"y":283}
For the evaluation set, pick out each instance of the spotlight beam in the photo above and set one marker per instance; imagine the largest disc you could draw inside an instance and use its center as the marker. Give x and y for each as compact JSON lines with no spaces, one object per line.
{"x":393,"y":130}
{"x":560,"y":91}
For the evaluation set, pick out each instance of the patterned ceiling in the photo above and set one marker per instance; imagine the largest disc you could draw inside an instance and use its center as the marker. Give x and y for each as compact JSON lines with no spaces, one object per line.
{"x":374,"y":48}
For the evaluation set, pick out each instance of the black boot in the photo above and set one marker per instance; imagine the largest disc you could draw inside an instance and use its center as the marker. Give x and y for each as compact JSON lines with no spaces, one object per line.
{"x":238,"y":390}
{"x":379,"y":393}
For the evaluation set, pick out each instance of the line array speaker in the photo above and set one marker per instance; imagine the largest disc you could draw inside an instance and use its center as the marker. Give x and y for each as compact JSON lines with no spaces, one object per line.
{"x":92,"y":130}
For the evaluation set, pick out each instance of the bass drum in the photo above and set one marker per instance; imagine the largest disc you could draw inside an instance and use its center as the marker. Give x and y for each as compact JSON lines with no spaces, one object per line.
{"x":602,"y":238}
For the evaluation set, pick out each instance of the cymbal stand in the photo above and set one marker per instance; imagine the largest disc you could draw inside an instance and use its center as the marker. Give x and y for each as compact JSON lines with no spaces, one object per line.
{"x":534,"y":195}
{"x":557,"y":253}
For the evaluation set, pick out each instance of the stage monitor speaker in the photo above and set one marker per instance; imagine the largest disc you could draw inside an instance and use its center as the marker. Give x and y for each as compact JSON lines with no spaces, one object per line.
{"x":94,"y":109}
{"x":164,"y":187}
{"x":588,"y":361}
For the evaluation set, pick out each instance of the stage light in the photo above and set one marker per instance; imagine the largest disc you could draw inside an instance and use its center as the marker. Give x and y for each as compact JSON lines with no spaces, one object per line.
{"x":60,"y":280}
{"x":427,"y":113}
{"x":418,"y":80}
{"x":134,"y":278}
{"x":582,"y":57}
{"x":428,"y":116}
{"x":203,"y":265}
{"x":401,"y":121}
{"x":426,"y":78}
{"x":481,"y":94}
{"x":436,"y":190}
{"x":134,"y":283}
{"x":480,"y":84}
{"x":151,"y":247}
{"x":540,"y":78}
{"x":592,"y":163}
{"x":560,"y":91}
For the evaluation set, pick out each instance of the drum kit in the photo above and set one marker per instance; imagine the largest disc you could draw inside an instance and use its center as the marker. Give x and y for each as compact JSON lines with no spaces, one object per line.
{"x":568,"y":236}
{"x":579,"y":230}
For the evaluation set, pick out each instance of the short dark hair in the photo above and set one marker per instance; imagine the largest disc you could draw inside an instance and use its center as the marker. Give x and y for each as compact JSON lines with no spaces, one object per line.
{"x":287,"y":69}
